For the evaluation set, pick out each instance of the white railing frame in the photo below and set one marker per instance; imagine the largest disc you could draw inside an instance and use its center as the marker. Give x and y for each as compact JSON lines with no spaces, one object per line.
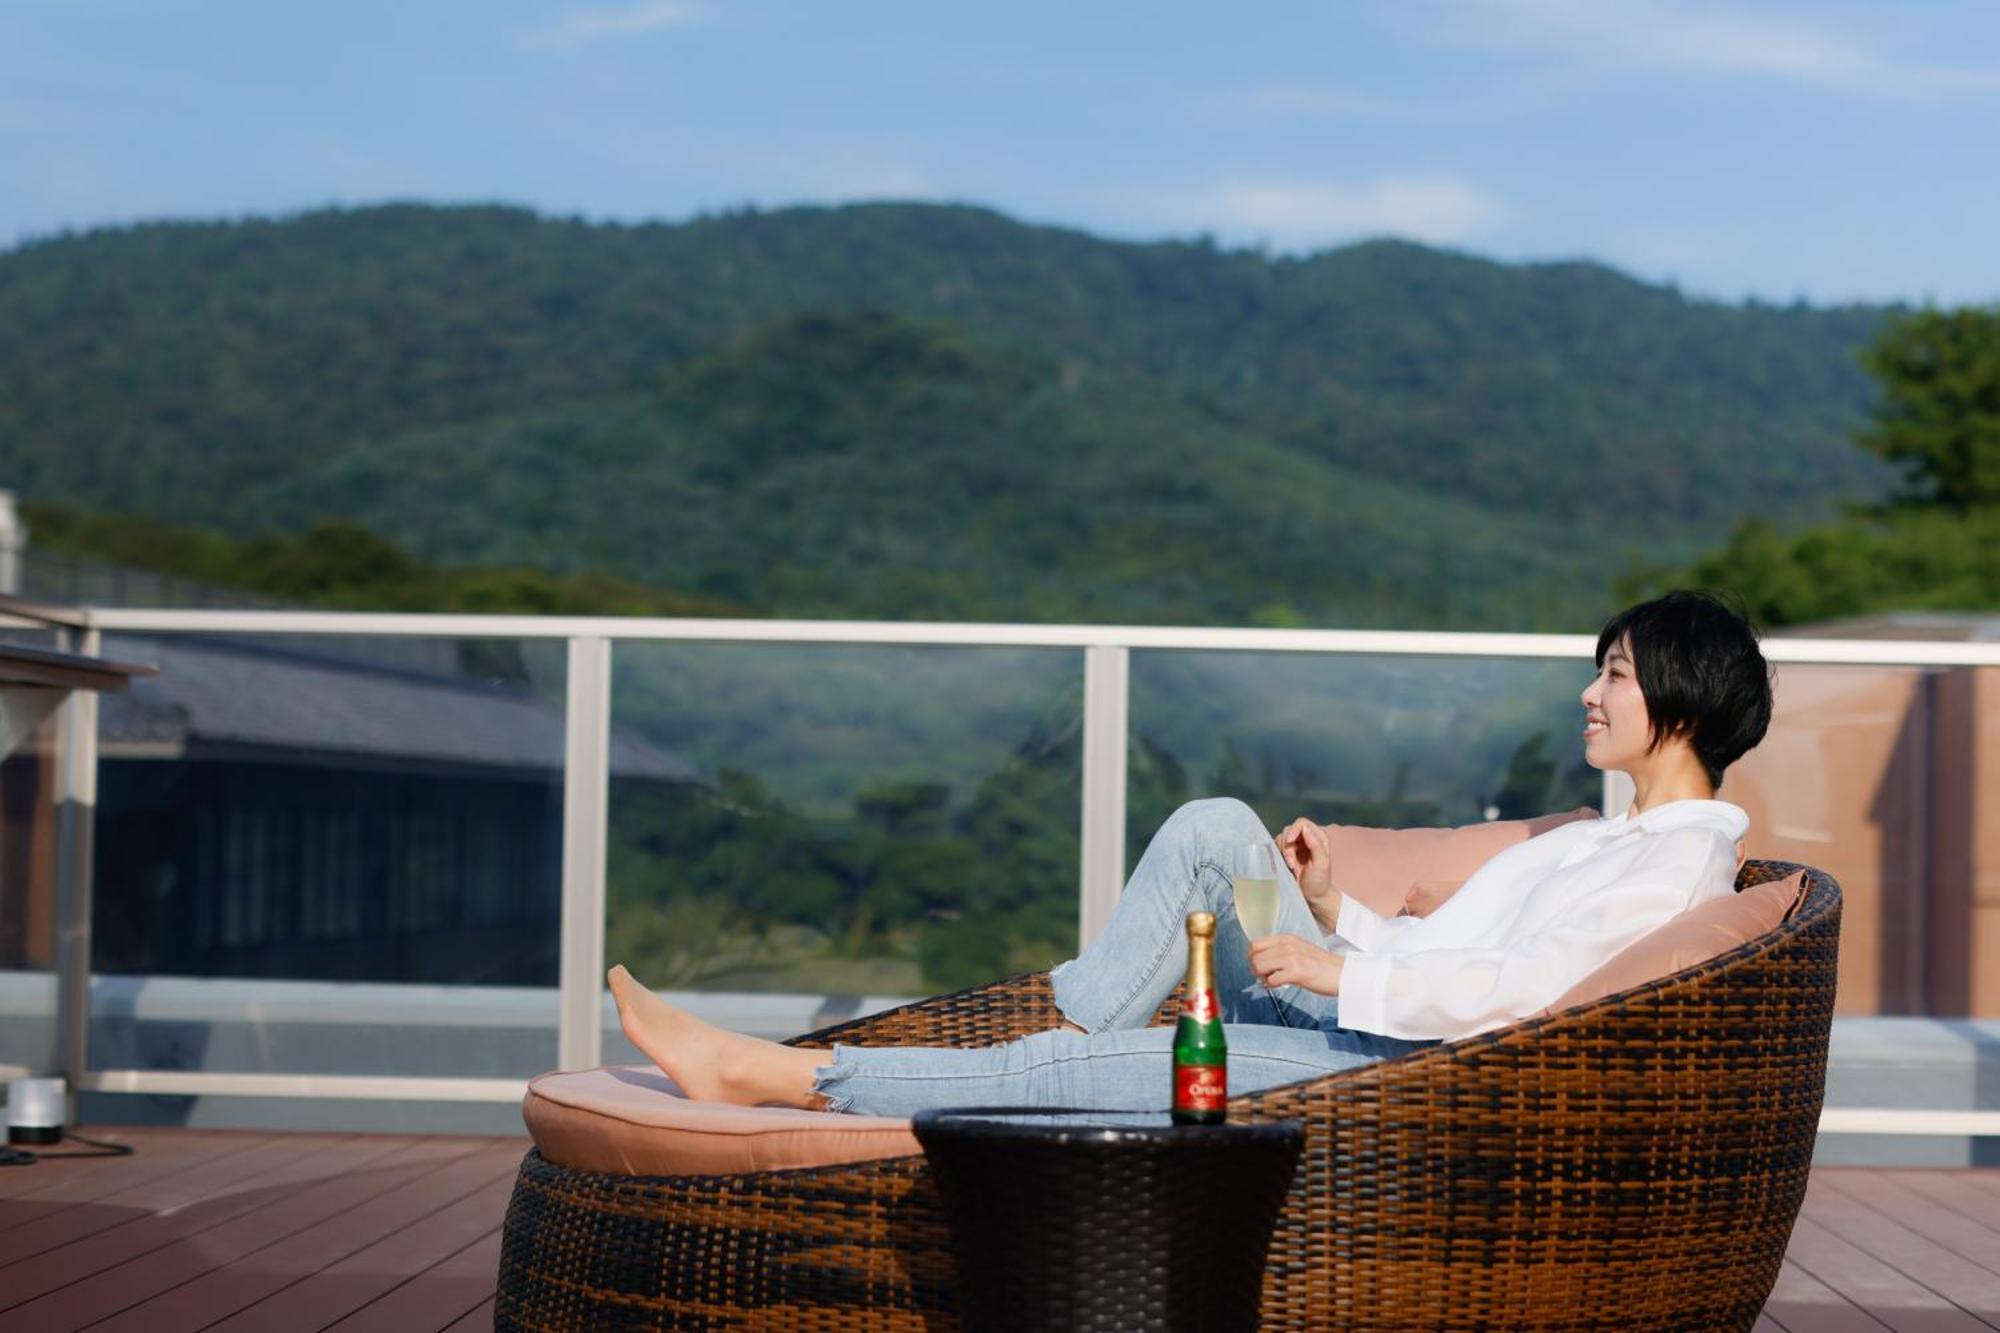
{"x":1107,"y":694}
{"x":586,"y":830}
{"x":76,"y":832}
{"x":1107,"y":689}
{"x":1421,"y":643}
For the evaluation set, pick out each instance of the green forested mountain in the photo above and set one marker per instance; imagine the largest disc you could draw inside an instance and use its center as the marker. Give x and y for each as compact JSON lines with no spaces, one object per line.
{"x":905,"y":410}
{"x":1935,"y":545}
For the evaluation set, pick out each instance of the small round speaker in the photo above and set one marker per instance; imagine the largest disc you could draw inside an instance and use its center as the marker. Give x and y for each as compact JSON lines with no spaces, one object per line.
{"x":35,"y":1110}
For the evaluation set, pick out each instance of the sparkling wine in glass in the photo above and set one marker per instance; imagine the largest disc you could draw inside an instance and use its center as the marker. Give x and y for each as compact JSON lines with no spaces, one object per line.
{"x":1255,"y":879}
{"x":1257,"y":901}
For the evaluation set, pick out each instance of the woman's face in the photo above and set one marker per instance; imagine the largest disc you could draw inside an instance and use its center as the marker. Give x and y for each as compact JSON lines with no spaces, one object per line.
{"x":1616,"y":728}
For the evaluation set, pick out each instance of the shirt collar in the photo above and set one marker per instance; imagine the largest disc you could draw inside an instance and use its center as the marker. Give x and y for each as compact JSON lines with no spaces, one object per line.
{"x":1730,"y":820}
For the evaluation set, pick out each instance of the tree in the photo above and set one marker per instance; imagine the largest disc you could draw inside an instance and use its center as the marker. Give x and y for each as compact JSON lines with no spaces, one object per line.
{"x":1937,"y":547}
{"x":1939,"y":415}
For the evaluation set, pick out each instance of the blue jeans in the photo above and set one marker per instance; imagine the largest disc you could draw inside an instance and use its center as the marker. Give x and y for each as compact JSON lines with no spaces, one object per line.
{"x":1111,"y":991}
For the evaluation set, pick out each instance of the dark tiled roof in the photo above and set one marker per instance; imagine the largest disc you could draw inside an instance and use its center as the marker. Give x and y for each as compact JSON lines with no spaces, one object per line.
{"x":212,"y":693}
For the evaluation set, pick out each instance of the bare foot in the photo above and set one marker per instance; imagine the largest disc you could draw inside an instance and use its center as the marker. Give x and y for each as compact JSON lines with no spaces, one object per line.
{"x":712,"y":1064}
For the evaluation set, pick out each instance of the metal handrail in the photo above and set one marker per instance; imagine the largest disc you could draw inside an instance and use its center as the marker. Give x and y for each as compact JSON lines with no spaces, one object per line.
{"x":1400,"y":643}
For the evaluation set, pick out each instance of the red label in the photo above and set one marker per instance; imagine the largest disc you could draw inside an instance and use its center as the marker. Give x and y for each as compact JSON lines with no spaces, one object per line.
{"x":1201,"y":1006}
{"x":1200,"y":1087}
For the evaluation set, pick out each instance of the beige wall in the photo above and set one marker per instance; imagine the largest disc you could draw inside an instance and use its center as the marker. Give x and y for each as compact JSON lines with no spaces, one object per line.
{"x":1879,"y":775}
{"x":1965,"y":838}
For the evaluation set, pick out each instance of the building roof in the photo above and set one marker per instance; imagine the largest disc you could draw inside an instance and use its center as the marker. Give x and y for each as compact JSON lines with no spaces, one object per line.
{"x":229,"y":695}
{"x":1929,"y":626}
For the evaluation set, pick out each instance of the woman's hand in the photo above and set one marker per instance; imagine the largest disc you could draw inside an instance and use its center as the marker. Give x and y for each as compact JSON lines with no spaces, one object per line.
{"x":1287,"y":960}
{"x":1309,"y":853}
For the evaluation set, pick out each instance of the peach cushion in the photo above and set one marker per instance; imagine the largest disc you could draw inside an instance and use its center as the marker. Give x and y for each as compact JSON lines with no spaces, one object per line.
{"x":1695,"y":936}
{"x":635,"y":1122}
{"x":1387,"y":869}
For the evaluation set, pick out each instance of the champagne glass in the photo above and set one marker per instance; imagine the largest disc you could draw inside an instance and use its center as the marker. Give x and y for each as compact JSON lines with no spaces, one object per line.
{"x":1254,"y":876}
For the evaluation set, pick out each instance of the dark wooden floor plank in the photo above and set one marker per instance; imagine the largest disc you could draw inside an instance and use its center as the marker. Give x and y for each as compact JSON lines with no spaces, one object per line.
{"x":1950,"y":1275}
{"x":1902,"y":1205}
{"x":481,"y":1320}
{"x":64,"y":1181}
{"x":436,"y":1297}
{"x":1986,"y":1177}
{"x":343,"y":1288}
{"x":1957,"y":1191}
{"x":171,"y":1270}
{"x":418,"y":1186}
{"x":1895,"y":1299}
{"x":192,"y":1182}
{"x":1804,"y":1304}
{"x":54,"y":1186}
{"x":80,"y":1258}
{"x":16,"y":1180}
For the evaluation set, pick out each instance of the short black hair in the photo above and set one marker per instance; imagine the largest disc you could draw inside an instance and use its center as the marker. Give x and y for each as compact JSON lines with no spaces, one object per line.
{"x":1702,"y":673}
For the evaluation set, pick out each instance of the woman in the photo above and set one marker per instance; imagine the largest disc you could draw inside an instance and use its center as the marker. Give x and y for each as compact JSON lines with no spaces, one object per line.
{"x":1681,"y":692}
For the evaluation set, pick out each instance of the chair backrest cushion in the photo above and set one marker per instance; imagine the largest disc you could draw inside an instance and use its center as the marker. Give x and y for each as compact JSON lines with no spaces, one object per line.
{"x":1388,"y":870}
{"x":635,"y":1122}
{"x":1695,"y":936}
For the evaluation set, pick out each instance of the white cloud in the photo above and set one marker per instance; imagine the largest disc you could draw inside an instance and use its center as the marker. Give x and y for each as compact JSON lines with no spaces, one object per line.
{"x":1650,"y":34}
{"x":649,"y":16}
{"x":1298,"y":215}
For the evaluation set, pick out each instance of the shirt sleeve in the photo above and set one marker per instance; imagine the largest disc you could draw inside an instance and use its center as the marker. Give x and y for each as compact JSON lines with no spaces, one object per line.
{"x":1365,"y":928}
{"x":1456,"y":992}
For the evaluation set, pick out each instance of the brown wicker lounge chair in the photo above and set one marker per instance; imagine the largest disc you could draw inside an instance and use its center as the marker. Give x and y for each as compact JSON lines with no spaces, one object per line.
{"x":1634,"y":1163}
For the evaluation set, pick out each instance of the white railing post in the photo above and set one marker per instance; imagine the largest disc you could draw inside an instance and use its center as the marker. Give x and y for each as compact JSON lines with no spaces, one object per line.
{"x":76,"y":830}
{"x":1107,"y":683}
{"x":586,"y":797}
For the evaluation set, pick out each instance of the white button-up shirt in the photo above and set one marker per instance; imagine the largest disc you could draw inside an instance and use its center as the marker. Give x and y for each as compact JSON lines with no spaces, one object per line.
{"x":1533,"y":921}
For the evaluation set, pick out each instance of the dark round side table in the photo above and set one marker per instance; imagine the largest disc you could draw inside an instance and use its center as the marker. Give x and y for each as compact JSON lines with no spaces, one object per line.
{"x":1108,"y":1220}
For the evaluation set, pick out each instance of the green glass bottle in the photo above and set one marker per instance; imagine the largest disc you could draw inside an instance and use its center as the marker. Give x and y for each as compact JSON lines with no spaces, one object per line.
{"x":1201,"y":1056}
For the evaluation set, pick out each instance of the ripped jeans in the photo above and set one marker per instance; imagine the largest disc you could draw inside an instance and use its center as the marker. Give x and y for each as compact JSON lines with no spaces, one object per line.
{"x":1112,"y":990}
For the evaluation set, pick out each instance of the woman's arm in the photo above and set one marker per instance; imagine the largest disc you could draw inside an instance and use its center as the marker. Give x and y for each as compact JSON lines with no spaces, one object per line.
{"x":1456,"y":992}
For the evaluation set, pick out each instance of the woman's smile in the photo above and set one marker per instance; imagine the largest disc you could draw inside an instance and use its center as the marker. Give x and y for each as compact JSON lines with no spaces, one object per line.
{"x":1616,"y":728}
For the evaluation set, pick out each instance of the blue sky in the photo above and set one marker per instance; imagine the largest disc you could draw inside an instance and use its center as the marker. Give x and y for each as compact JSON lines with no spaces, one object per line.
{"x":1834,"y":150}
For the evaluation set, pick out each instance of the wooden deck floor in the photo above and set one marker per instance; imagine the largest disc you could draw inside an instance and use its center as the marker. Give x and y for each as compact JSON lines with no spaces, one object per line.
{"x":1914,"y":1251}
{"x":209,"y":1230}
{"x":237,"y":1231}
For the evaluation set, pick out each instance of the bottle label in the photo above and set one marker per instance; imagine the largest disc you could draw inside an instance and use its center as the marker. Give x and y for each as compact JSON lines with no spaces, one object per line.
{"x":1200,"y":1087}
{"x":1201,"y":1006}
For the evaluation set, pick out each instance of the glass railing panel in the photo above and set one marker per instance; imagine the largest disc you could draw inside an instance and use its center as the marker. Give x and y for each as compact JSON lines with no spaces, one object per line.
{"x":329,"y":855}
{"x":835,"y":825}
{"x":1386,"y":741}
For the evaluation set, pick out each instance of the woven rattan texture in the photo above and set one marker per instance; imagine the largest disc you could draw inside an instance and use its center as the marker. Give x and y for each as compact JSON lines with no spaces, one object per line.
{"x":841,"y":1249}
{"x":1129,"y":1230}
{"x":1636,"y":1163}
